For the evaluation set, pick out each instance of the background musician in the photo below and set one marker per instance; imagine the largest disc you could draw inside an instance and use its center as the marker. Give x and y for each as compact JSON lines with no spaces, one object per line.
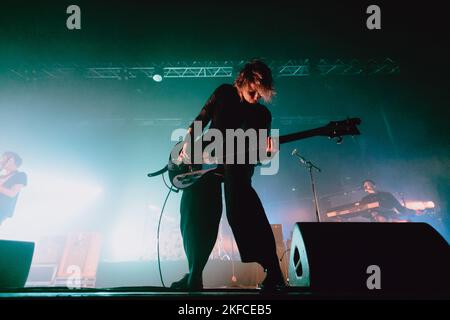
{"x":11,"y":183}
{"x":390,"y":210}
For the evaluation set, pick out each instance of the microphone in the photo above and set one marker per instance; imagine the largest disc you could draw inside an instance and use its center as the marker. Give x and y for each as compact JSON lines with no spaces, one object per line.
{"x":295,"y":153}
{"x":304,"y":161}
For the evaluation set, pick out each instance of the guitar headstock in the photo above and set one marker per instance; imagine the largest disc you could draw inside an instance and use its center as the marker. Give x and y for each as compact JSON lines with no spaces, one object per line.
{"x":337,"y":129}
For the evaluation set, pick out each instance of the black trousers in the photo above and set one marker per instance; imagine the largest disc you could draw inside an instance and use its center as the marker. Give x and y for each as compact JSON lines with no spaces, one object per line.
{"x":201,"y":210}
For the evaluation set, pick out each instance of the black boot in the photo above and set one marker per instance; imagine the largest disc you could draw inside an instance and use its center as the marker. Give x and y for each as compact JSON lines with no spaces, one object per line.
{"x":195,"y":283}
{"x":188,"y":283}
{"x":181,"y":284}
{"x":274,"y":281}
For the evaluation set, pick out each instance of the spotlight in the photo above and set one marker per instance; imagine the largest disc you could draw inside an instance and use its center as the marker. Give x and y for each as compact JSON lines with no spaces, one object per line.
{"x":157,"y":77}
{"x":158,"y":74}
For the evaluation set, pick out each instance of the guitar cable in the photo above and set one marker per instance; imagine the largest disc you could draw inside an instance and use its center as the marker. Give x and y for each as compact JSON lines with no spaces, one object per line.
{"x":159,"y":226}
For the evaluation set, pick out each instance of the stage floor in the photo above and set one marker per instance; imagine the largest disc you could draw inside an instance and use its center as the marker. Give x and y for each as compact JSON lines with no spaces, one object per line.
{"x":151,"y":292}
{"x":159,"y":293}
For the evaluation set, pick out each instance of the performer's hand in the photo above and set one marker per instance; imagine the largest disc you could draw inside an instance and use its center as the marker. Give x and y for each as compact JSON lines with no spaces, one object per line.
{"x":184,"y":155}
{"x":270,"y":146}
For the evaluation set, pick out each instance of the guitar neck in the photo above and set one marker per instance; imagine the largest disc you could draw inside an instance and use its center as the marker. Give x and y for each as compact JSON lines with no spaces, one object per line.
{"x":301,"y":135}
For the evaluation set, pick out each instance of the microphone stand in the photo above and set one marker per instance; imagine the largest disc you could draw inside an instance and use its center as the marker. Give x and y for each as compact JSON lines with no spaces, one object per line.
{"x":308,"y":164}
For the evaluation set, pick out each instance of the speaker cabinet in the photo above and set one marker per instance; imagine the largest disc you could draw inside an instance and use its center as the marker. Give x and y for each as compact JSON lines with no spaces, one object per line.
{"x":79,"y":262}
{"x":15,"y":261}
{"x":353,"y":258}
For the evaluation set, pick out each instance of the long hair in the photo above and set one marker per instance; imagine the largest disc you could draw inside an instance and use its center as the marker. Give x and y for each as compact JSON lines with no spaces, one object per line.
{"x":258,"y":73}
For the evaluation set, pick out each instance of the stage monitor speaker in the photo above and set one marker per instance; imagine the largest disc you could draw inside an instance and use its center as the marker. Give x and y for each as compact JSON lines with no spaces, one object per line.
{"x":80,"y":257}
{"x":15,"y":261}
{"x":410,"y":258}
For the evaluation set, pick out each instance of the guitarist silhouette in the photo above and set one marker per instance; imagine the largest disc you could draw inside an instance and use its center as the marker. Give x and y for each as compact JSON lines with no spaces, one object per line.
{"x":230,"y":107}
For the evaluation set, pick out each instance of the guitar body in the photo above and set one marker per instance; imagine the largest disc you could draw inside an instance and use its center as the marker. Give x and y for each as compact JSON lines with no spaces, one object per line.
{"x":184,"y":175}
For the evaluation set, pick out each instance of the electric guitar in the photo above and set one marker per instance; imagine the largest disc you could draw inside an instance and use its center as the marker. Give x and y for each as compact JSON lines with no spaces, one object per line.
{"x":183,"y":175}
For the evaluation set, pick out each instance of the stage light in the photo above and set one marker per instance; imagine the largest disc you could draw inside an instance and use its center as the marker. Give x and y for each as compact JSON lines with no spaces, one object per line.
{"x":157,"y":77}
{"x":420,"y":205}
{"x":158,"y":74}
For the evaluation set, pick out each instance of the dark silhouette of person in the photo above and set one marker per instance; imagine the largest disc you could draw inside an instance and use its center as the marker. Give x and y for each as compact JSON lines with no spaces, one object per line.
{"x":231,"y":107}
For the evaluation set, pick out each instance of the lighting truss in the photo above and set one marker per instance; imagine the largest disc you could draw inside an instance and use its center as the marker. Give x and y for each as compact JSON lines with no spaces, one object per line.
{"x":198,"y":72}
{"x":211,"y":69}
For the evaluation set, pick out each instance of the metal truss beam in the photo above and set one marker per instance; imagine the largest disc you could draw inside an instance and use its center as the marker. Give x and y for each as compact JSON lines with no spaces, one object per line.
{"x":212,"y":69}
{"x":198,"y":72}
